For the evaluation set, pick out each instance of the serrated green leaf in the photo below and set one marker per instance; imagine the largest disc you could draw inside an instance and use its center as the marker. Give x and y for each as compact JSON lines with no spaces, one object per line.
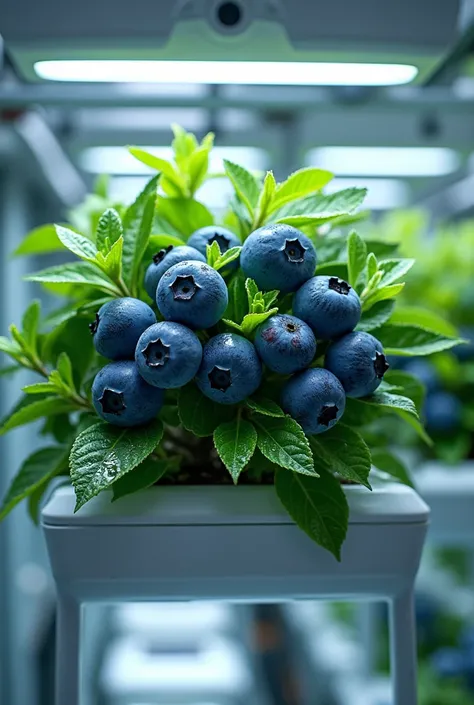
{"x":264,"y":406}
{"x":103,"y":453}
{"x":299,"y":184}
{"x":143,"y":476}
{"x":227,"y":257}
{"x":162,"y":166}
{"x":383,"y":294}
{"x":409,"y":341}
{"x":315,"y":210}
{"x":199,"y":414}
{"x":77,"y":244}
{"x":36,"y":470}
{"x":251,"y":321}
{"x":213,"y":253}
{"x":388,"y":462}
{"x":235,"y":443}
{"x":35,"y":411}
{"x":284,"y":443}
{"x":185,"y":215}
{"x":245,"y":185}
{"x":269,"y":297}
{"x":40,"y":388}
{"x":137,"y":223}
{"x":412,"y":315}
{"x":237,"y":306}
{"x":372,"y":265}
{"x":376,"y":316}
{"x":252,"y":290}
{"x":317,"y":505}
{"x":342,"y":450}
{"x":393,"y":269}
{"x":81,"y":273}
{"x":356,"y":257}
{"x":40,"y":241}
{"x":109,"y":230}
{"x":265,"y":200}
{"x":111,"y":264}
{"x":30,"y":323}
{"x":197,"y":167}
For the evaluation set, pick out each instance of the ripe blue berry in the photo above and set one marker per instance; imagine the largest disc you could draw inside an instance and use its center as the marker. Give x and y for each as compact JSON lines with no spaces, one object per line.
{"x":118,"y":325}
{"x":358,"y":361}
{"x":192,"y":293}
{"x":163,"y":260}
{"x":442,"y":412}
{"x":315,"y":398}
{"x":123,"y":398}
{"x":278,"y":257}
{"x":226,"y":239}
{"x":424,"y":371}
{"x":168,"y":355}
{"x":230,"y":369}
{"x":329,"y":305}
{"x":285,"y":344}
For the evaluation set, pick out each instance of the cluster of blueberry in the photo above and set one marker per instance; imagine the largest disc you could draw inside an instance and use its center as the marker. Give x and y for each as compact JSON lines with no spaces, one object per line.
{"x":192,"y":296}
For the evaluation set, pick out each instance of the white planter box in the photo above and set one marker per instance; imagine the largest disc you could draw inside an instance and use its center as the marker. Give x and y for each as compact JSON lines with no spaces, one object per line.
{"x":226,"y":543}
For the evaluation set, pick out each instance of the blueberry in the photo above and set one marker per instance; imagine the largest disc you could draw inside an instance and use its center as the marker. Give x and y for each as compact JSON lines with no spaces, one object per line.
{"x":442,"y":412}
{"x":226,"y":239}
{"x":168,"y":355}
{"x":192,"y":293}
{"x":358,"y":361}
{"x":123,"y":398}
{"x":163,"y":260}
{"x":329,"y":305}
{"x":449,"y":663}
{"x":424,"y":371}
{"x":278,"y":257}
{"x":315,"y":398}
{"x":285,"y":344}
{"x":118,"y":325}
{"x":230,"y":369}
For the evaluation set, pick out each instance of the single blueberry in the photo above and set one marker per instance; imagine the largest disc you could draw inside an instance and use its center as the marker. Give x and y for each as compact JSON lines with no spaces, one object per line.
{"x":315,"y":398}
{"x":192,"y":293}
{"x":122,"y":397}
{"x":163,"y":260}
{"x":118,"y":325}
{"x":442,"y":412}
{"x":278,"y":257}
{"x":328,"y":305}
{"x":168,"y":355}
{"x":449,"y":663}
{"x":424,"y":371}
{"x":285,"y":344}
{"x":230,"y":370}
{"x":226,"y":239}
{"x":358,"y":361}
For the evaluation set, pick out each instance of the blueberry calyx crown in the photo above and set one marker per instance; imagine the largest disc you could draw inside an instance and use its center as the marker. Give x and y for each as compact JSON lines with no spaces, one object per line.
{"x":156,"y":353}
{"x":291,"y":327}
{"x":184,"y":287}
{"x":112,"y":402}
{"x":159,"y":256}
{"x":339,"y":285}
{"x":94,"y":325}
{"x":221,"y":240}
{"x":220,"y":378}
{"x":294,"y":250}
{"x":327,"y":414}
{"x":380,"y":364}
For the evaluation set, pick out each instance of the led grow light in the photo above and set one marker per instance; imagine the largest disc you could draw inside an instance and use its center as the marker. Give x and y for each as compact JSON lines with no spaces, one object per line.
{"x":382,"y":194}
{"x":385,"y":161}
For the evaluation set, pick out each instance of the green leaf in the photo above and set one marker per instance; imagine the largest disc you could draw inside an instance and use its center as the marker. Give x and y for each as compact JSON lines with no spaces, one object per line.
{"x":145,"y":475}
{"x":9,"y":347}
{"x":184,"y":144}
{"x":40,"y":388}
{"x":245,"y":185}
{"x":235,"y":443}
{"x":356,"y":257}
{"x":315,"y":210}
{"x":372,"y":265}
{"x":40,"y":241}
{"x":394,"y":269}
{"x":265,"y":200}
{"x":410,"y":341}
{"x":383,"y":294}
{"x":264,"y":406}
{"x":226,"y":258}
{"x":64,"y":368}
{"x":252,"y":290}
{"x":112,"y":262}
{"x":103,"y":453}
{"x":199,"y":414}
{"x":109,"y":230}
{"x":197,"y":167}
{"x":137,"y":223}
{"x":299,"y":184}
{"x":380,"y":248}
{"x":409,"y":384}
{"x":283,"y":441}
{"x":213,"y":253}
{"x":184,"y":214}
{"x":83,"y":273}
{"x":237,"y":306}
{"x":412,"y":315}
{"x":101,"y":186}
{"x":387,"y":462}
{"x":344,"y":451}
{"x":30,"y":323}
{"x":73,"y":338}
{"x":35,"y":411}
{"x":35,"y":471}
{"x":376,"y":316}
{"x":251,"y":321}
{"x":77,"y":244}
{"x":269,"y":297}
{"x":161,"y":165}
{"x":318,"y":506}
